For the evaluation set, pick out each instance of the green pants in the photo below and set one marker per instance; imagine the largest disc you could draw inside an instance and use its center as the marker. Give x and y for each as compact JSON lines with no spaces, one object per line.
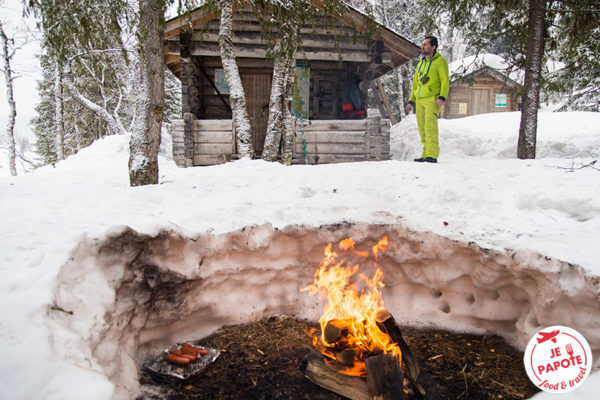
{"x":427,"y":121}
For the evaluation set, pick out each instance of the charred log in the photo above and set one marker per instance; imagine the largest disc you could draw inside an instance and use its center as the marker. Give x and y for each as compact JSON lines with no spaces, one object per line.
{"x":385,"y":380}
{"x":321,"y":374}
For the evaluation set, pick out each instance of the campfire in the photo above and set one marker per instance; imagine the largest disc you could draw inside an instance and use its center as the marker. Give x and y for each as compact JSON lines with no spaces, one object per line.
{"x":361,"y":351}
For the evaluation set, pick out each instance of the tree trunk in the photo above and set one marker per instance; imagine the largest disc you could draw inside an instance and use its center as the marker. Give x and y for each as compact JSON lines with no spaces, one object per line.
{"x":58,"y":112}
{"x":277,"y":104}
{"x":288,"y":118}
{"x":533,"y":71}
{"x":145,"y":139}
{"x":237,"y":98}
{"x":10,"y":129}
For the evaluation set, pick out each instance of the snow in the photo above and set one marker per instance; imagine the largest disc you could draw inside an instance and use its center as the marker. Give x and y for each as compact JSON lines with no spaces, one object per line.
{"x":470,"y":64}
{"x":486,"y":243}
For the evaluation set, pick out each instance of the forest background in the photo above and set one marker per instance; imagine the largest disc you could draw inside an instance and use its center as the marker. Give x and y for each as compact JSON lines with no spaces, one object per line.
{"x":88,"y":72}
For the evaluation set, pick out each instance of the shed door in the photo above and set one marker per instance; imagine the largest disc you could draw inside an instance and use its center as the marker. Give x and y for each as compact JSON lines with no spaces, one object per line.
{"x":257,"y":86}
{"x":480,"y":101}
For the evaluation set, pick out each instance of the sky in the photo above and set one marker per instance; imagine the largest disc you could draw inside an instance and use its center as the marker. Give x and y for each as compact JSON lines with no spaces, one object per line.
{"x":486,"y":243}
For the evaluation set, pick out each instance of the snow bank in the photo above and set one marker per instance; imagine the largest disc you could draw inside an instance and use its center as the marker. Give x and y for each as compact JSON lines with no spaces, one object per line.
{"x":81,"y":251}
{"x":495,"y":136}
{"x":151,"y":292}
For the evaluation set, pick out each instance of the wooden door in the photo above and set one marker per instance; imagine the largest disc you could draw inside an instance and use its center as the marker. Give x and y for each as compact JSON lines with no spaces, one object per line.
{"x":480,"y":101}
{"x":257,"y":86}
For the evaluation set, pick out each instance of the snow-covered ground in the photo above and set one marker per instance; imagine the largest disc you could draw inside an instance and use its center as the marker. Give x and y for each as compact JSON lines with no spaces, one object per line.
{"x":483,"y":238}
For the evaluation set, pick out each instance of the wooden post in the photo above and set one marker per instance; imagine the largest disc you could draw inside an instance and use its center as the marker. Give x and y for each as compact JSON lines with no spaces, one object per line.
{"x":188,"y":139}
{"x":386,"y":101}
{"x":374,"y":136}
{"x":375,"y":91}
{"x":190,"y":80}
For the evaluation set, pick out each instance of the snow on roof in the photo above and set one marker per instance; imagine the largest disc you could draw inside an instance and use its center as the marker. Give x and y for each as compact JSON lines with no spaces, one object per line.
{"x":471,"y":64}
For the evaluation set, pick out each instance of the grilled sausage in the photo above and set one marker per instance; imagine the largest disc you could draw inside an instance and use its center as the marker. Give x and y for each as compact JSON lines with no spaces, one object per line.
{"x":175,"y":359}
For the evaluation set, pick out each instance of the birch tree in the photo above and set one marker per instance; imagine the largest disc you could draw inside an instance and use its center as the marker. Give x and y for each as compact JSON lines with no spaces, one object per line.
{"x":280,"y":24}
{"x":237,"y":97}
{"x":7,"y":55}
{"x":58,"y":111}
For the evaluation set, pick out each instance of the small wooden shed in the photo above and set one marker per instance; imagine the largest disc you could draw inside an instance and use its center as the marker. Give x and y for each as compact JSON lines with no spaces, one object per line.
{"x":333,"y":52}
{"x":484,"y":90}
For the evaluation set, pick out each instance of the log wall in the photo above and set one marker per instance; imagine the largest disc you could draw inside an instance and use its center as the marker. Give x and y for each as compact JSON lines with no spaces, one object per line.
{"x":212,"y":142}
{"x":326,"y":141}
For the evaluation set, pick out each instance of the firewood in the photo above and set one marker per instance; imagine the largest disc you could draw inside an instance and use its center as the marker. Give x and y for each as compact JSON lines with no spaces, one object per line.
{"x":385,"y":380}
{"x":318,"y":372}
{"x":335,"y":330}
{"x":346,"y":357}
{"x":387,"y":324}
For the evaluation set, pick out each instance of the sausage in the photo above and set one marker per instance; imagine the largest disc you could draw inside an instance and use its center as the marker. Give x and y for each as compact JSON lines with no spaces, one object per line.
{"x":175,"y":359}
{"x":189,"y":349}
{"x":190,"y":357}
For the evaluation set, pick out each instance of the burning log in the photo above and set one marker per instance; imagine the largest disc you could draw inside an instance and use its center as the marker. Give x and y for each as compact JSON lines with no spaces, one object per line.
{"x":385,"y":380}
{"x":358,"y":337}
{"x":387,"y":324}
{"x":334,"y":330}
{"x":319,"y":373}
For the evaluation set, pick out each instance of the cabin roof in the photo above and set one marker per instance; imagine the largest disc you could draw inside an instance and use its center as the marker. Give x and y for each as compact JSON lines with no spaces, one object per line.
{"x":400,"y":48}
{"x":469,"y":67}
{"x":494,"y":73}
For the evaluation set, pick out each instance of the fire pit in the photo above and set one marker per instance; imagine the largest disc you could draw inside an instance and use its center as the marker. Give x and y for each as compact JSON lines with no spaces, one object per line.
{"x":268,"y":359}
{"x":358,"y":337}
{"x":156,"y":290}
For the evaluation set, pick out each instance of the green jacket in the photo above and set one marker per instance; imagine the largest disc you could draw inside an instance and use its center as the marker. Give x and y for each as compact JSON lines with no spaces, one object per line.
{"x":438,"y":84}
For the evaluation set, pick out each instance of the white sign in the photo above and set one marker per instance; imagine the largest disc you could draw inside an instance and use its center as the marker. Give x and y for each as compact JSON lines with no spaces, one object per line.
{"x":500,"y":100}
{"x":558,"y":359}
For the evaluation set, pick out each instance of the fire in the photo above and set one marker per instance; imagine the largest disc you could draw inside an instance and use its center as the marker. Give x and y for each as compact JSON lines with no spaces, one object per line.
{"x":349,"y":331}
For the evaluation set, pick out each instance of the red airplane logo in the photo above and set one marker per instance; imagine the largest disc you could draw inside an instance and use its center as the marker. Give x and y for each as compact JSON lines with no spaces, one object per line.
{"x":548,"y":336}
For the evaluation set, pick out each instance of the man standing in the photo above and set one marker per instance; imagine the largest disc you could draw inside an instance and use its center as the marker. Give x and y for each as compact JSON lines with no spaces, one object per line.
{"x":428,"y":95}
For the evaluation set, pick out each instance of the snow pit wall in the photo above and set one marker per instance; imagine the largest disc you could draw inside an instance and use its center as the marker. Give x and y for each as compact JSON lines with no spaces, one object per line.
{"x":125,"y":297}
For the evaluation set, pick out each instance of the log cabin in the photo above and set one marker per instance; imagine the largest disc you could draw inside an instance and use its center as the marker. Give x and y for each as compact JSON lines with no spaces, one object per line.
{"x":479,"y":87}
{"x":333,"y":52}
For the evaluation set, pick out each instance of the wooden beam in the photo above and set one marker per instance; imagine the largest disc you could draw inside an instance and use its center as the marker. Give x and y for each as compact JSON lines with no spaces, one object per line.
{"x":386,"y":101}
{"x":378,"y":99}
{"x":255,"y":51}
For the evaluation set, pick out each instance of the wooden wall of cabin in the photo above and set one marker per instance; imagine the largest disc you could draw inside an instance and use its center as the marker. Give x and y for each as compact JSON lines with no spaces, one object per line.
{"x":479,"y":96}
{"x":327,"y":83}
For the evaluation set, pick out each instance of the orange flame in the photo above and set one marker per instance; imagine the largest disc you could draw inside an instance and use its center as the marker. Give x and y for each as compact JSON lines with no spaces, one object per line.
{"x":352,"y":306}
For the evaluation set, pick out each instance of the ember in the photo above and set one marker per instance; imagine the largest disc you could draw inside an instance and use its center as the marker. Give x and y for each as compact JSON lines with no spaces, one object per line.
{"x":349,"y":324}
